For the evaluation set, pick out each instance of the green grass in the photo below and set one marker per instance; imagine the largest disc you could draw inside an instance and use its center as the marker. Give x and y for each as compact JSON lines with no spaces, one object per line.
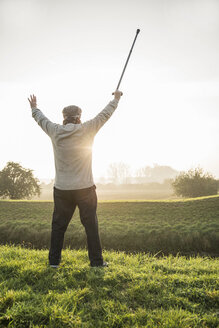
{"x":134,"y":291}
{"x":187,"y":226}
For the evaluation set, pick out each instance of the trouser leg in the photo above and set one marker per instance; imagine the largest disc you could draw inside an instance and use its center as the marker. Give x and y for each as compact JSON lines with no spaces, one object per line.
{"x":63,"y":210}
{"x":87,"y":207}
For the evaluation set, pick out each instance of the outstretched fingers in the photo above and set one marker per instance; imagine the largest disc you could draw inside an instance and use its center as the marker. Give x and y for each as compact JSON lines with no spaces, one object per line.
{"x":32,"y":100}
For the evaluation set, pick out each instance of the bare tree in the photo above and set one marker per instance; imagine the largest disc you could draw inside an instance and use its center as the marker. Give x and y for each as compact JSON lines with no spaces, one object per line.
{"x":119,"y":172}
{"x":158,"y":173}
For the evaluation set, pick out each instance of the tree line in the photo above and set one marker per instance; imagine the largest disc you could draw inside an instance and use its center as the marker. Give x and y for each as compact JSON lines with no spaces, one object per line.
{"x":17,"y":182}
{"x":121,"y":173}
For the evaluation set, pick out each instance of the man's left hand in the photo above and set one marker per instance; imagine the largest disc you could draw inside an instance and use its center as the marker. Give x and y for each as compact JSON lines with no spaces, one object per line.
{"x":33,"y":101}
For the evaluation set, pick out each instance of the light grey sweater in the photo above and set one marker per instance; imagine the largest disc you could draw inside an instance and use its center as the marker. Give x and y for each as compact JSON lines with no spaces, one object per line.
{"x":72,"y":147}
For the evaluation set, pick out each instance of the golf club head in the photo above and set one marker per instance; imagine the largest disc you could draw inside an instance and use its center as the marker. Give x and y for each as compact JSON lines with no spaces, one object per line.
{"x":138,"y":30}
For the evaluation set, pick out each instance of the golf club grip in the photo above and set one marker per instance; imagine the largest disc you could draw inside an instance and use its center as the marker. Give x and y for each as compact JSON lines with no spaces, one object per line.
{"x":127,"y":60}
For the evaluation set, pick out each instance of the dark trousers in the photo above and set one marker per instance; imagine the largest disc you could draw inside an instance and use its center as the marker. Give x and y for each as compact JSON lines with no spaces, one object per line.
{"x":65,"y":202}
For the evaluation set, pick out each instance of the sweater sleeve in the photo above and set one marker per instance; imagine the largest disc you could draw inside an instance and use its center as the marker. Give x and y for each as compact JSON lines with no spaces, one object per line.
{"x":94,"y":125}
{"x":48,"y":127}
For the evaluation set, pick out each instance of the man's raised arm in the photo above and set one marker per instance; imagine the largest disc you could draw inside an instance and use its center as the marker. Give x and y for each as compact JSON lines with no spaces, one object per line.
{"x":47,"y":126}
{"x":96,"y":123}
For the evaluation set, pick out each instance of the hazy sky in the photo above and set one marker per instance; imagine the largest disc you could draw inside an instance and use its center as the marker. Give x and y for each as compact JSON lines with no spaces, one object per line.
{"x":73,"y":52}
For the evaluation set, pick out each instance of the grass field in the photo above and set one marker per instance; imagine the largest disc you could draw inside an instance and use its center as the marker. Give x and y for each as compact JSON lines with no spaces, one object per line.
{"x":150,"y":191}
{"x":134,"y":291}
{"x":169,"y":227}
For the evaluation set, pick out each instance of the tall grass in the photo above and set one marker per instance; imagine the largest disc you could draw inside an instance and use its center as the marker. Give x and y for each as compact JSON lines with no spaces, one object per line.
{"x":134,"y":291}
{"x":185,"y":227}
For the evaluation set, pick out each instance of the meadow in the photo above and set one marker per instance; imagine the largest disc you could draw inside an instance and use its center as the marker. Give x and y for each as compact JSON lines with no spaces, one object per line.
{"x":147,"y":284}
{"x":135,"y":291}
{"x":186,"y":227}
{"x":106,"y":192}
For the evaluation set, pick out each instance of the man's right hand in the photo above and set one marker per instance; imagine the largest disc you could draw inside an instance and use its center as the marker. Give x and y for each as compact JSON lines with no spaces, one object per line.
{"x":117,"y":94}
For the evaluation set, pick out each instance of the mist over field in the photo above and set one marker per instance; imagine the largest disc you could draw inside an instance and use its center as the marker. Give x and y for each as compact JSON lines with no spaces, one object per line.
{"x":146,"y":183}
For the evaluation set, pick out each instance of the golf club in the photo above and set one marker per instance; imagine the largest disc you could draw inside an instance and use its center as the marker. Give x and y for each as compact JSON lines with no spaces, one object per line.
{"x":117,"y":88}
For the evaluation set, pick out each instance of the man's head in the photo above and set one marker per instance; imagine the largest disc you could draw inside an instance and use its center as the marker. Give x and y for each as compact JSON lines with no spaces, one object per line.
{"x":72,"y":114}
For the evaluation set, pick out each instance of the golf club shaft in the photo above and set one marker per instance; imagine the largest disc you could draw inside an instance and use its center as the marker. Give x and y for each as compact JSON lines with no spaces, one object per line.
{"x":127,"y":60}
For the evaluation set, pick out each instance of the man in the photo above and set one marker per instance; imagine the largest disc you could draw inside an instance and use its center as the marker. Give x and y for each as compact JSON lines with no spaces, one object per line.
{"x":74,"y":185}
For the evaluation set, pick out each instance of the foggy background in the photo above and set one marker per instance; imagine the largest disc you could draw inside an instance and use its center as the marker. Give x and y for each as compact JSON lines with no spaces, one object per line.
{"x":73,"y":52}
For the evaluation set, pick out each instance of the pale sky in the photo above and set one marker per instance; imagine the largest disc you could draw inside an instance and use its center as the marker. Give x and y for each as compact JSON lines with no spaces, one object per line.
{"x":73,"y":52}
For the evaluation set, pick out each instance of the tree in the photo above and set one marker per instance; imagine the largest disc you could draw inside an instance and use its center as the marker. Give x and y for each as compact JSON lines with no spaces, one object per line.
{"x":158,"y":173}
{"x":195,"y":183}
{"x":17,"y":182}
{"x":119,"y":172}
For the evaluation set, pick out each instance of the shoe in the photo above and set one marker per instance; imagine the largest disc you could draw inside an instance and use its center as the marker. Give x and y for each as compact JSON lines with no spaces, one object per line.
{"x":54,"y":266}
{"x":102,"y":265}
